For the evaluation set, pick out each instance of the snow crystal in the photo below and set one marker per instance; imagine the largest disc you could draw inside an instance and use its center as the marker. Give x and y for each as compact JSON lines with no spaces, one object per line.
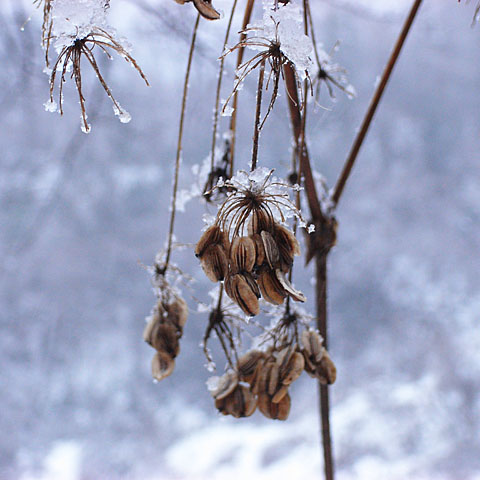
{"x":227,"y":111}
{"x":122,"y":114}
{"x":50,"y":105}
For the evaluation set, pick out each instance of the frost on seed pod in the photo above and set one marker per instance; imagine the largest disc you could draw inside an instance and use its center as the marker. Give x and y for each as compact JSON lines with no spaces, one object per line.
{"x":242,"y":254}
{"x":239,"y":403}
{"x":243,"y":290}
{"x":223,"y":385}
{"x":162,"y":365}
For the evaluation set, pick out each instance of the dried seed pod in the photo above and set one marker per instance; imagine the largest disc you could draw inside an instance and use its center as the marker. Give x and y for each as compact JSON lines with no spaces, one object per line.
{"x":293,"y":369}
{"x":271,"y":250}
{"x":162,"y":365}
{"x":259,"y":250}
{"x":276,"y":411}
{"x":271,"y":289}
{"x":225,"y":386}
{"x":248,"y":363}
{"x":312,"y":344}
{"x":326,"y":370}
{"x":287,"y":246}
{"x":206,"y":9}
{"x":214,"y":262}
{"x":163,"y":338}
{"x":177,"y":313}
{"x":281,"y":392}
{"x":257,"y":377}
{"x":272,"y":378}
{"x":242,"y":254}
{"x":239,"y":403}
{"x":211,"y":236}
{"x":243,"y":290}
{"x":295,"y":294}
{"x":259,"y":221}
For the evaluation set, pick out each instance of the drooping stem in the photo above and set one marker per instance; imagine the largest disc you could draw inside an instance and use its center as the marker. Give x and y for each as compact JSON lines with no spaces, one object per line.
{"x":257,"y":128}
{"x":233,"y":119}
{"x":347,"y":168}
{"x":173,"y":206}
{"x":219,"y":86}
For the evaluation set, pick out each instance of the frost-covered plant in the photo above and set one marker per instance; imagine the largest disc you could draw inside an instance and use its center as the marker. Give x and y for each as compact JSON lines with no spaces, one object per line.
{"x":77,"y":28}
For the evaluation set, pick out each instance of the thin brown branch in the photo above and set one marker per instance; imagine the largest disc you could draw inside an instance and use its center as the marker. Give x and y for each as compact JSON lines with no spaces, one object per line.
{"x":257,"y":128}
{"x":233,"y":121}
{"x":296,"y":121}
{"x":347,"y":169}
{"x":219,"y":86}
{"x":173,"y":206}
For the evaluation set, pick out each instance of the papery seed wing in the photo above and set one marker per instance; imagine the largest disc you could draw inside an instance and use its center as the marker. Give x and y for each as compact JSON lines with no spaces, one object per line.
{"x":225,"y":386}
{"x":242,"y":254}
{"x":214,"y":263}
{"x":162,"y":365}
{"x":206,"y":9}
{"x":293,"y":369}
{"x":295,"y":294}
{"x":271,"y":250}
{"x":211,"y":236}
{"x":271,"y":289}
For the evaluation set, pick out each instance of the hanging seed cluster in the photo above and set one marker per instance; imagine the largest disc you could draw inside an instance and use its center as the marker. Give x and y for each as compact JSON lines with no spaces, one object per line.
{"x":262,"y":379}
{"x":250,"y":250}
{"x":163,"y":333}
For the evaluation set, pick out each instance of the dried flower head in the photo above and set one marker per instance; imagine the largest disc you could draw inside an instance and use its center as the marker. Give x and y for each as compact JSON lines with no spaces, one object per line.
{"x":280,"y":40}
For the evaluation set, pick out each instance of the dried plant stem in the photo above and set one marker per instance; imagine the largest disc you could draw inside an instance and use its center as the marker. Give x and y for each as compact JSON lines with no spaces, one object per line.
{"x":179,"y":147}
{"x":256,"y":131}
{"x":233,"y":121}
{"x":347,"y":168}
{"x":219,"y":85}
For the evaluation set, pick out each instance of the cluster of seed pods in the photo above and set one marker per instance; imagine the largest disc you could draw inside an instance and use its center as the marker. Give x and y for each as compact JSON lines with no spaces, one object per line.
{"x":253,"y":265}
{"x":262,"y":379}
{"x":163,"y":333}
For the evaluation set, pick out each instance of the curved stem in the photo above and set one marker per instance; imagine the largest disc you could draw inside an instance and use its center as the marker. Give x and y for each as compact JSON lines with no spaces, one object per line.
{"x":219,"y":86}
{"x":179,"y":147}
{"x":347,"y":168}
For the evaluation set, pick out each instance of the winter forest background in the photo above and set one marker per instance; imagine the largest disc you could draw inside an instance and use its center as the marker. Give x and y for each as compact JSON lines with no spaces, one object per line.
{"x":80,"y":214}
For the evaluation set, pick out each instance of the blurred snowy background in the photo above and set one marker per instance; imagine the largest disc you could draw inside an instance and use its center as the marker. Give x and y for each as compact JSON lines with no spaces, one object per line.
{"x":79,"y":214}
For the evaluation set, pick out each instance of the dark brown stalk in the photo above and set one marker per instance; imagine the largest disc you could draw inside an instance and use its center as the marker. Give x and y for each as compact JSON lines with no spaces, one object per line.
{"x":233,"y":120}
{"x":256,"y":131}
{"x":179,"y":146}
{"x":219,"y":86}
{"x":347,"y":168}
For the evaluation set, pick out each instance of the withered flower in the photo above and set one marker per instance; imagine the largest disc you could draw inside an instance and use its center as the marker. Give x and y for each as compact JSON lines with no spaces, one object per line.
{"x":72,"y":55}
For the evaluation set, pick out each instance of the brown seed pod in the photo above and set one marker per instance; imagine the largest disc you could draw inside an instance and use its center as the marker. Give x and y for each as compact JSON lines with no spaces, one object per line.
{"x":243,"y":290}
{"x":294,"y":294}
{"x":163,"y":338}
{"x":247,"y":364}
{"x":177,"y":313}
{"x":214,"y":262}
{"x":326,"y":371}
{"x":225,"y":386}
{"x":276,"y":411}
{"x":239,"y":403}
{"x":242,"y":254}
{"x":271,"y":250}
{"x":211,"y":236}
{"x":281,"y":392}
{"x":293,"y":369}
{"x":259,"y":250}
{"x":259,"y":221}
{"x":312,"y":344}
{"x":271,"y":289}
{"x":287,"y":246}
{"x":162,"y":365}
{"x":206,"y":9}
